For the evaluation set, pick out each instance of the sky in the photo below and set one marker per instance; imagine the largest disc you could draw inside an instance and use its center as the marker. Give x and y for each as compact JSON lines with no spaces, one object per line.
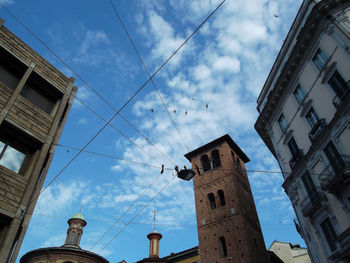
{"x":224,"y":65}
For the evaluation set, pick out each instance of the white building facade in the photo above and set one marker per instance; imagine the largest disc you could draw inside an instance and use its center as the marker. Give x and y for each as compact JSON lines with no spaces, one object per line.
{"x":304,"y":120}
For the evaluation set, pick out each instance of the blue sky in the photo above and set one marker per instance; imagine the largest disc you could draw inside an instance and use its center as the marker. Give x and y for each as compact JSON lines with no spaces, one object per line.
{"x":224,"y":65}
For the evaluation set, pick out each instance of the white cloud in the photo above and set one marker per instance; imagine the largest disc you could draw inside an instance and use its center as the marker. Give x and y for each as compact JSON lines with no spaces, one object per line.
{"x":7,"y":2}
{"x":58,"y":197}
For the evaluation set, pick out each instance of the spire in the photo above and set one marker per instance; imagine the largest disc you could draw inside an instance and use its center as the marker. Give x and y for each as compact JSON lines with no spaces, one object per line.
{"x":75,"y":230}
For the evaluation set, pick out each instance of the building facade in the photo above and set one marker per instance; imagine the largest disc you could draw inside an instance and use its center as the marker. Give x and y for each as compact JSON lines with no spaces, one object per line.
{"x":70,"y":252}
{"x":304,"y":120}
{"x":35,"y":99}
{"x":289,"y":253}
{"x":227,"y":221}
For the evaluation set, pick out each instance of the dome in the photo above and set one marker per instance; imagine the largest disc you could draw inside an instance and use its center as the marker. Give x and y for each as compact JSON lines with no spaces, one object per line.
{"x":78,"y":216}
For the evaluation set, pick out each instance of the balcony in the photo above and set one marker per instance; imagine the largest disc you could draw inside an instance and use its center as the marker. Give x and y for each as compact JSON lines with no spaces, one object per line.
{"x":317,"y":129}
{"x":336,"y":174}
{"x":343,"y":244}
{"x":312,"y":203}
{"x":298,"y":155}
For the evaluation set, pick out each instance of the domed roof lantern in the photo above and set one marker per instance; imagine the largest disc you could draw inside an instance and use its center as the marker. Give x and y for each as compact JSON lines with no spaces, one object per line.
{"x":75,"y":230}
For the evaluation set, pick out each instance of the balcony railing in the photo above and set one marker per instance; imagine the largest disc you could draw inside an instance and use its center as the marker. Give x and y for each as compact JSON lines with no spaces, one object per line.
{"x":336,"y":174}
{"x":343,"y":246}
{"x":296,"y":158}
{"x":311,"y":203}
{"x":317,"y":129}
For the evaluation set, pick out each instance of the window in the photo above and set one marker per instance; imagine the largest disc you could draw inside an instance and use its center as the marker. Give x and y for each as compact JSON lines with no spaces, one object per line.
{"x":239,"y":166}
{"x":11,"y":69}
{"x":4,"y":225}
{"x":334,"y":157}
{"x":293,"y":147}
{"x":10,"y":157}
{"x":338,"y":85}
{"x":312,"y":118}
{"x":320,"y":59}
{"x":309,"y":185}
{"x":40,"y":93}
{"x":205,"y":163}
{"x":282,"y":122}
{"x":16,"y":148}
{"x":211,"y":199}
{"x":216,"y":158}
{"x":72,"y":237}
{"x":299,"y":94}
{"x":222,"y":246}
{"x":329,"y":233}
{"x":221,"y":197}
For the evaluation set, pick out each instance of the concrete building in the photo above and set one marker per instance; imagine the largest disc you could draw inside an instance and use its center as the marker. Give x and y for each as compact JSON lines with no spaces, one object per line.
{"x":35,"y":99}
{"x":290,"y":253}
{"x":70,"y":252}
{"x":304,"y":120}
{"x":227,"y":221}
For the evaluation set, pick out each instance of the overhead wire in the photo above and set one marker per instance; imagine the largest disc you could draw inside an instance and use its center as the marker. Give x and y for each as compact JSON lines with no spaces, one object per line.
{"x":139,"y":212}
{"x":127,"y":102}
{"x":117,"y":130}
{"x":85,"y":82}
{"x":140,"y":133}
{"x":127,"y":210}
{"x":112,"y":157}
{"x":146,"y":70}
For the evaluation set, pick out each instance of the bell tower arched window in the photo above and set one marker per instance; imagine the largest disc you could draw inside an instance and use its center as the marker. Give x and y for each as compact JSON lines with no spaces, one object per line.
{"x":205,"y":163}
{"x":221,"y":197}
{"x":239,"y":166}
{"x":211,"y":199}
{"x":222,"y":246}
{"x":72,"y":238}
{"x":216,"y":158}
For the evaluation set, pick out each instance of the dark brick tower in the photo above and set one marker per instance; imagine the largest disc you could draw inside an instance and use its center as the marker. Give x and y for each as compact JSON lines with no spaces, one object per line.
{"x":227,"y":221}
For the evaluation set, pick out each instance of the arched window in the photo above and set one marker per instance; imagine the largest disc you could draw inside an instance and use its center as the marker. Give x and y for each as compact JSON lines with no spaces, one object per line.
{"x":72,"y":237}
{"x":216,"y":158}
{"x":238,"y":164}
{"x":205,"y":163}
{"x":221,"y":197}
{"x":211,"y":199}
{"x":233,"y":159}
{"x":222,"y":245}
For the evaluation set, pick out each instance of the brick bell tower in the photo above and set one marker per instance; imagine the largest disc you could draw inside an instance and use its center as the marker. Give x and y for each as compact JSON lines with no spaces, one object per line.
{"x":227,"y":221}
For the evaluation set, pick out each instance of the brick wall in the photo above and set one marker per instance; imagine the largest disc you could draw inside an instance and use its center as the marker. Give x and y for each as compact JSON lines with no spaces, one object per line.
{"x":12,"y":188}
{"x":236,"y":221}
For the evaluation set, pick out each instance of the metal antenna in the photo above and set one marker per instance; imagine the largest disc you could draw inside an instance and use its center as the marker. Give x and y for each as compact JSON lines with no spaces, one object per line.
{"x":154,"y":219}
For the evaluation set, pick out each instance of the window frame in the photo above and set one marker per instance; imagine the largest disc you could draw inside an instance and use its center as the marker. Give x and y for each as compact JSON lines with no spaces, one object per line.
{"x":205,"y":163}
{"x":312,"y":117}
{"x":215,"y":156}
{"x":320,"y":59}
{"x":299,"y":94}
{"x":221,"y":197}
{"x":222,"y":247}
{"x":212,"y":201}
{"x":293,"y":147}
{"x":329,"y":233}
{"x":282,"y":123}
